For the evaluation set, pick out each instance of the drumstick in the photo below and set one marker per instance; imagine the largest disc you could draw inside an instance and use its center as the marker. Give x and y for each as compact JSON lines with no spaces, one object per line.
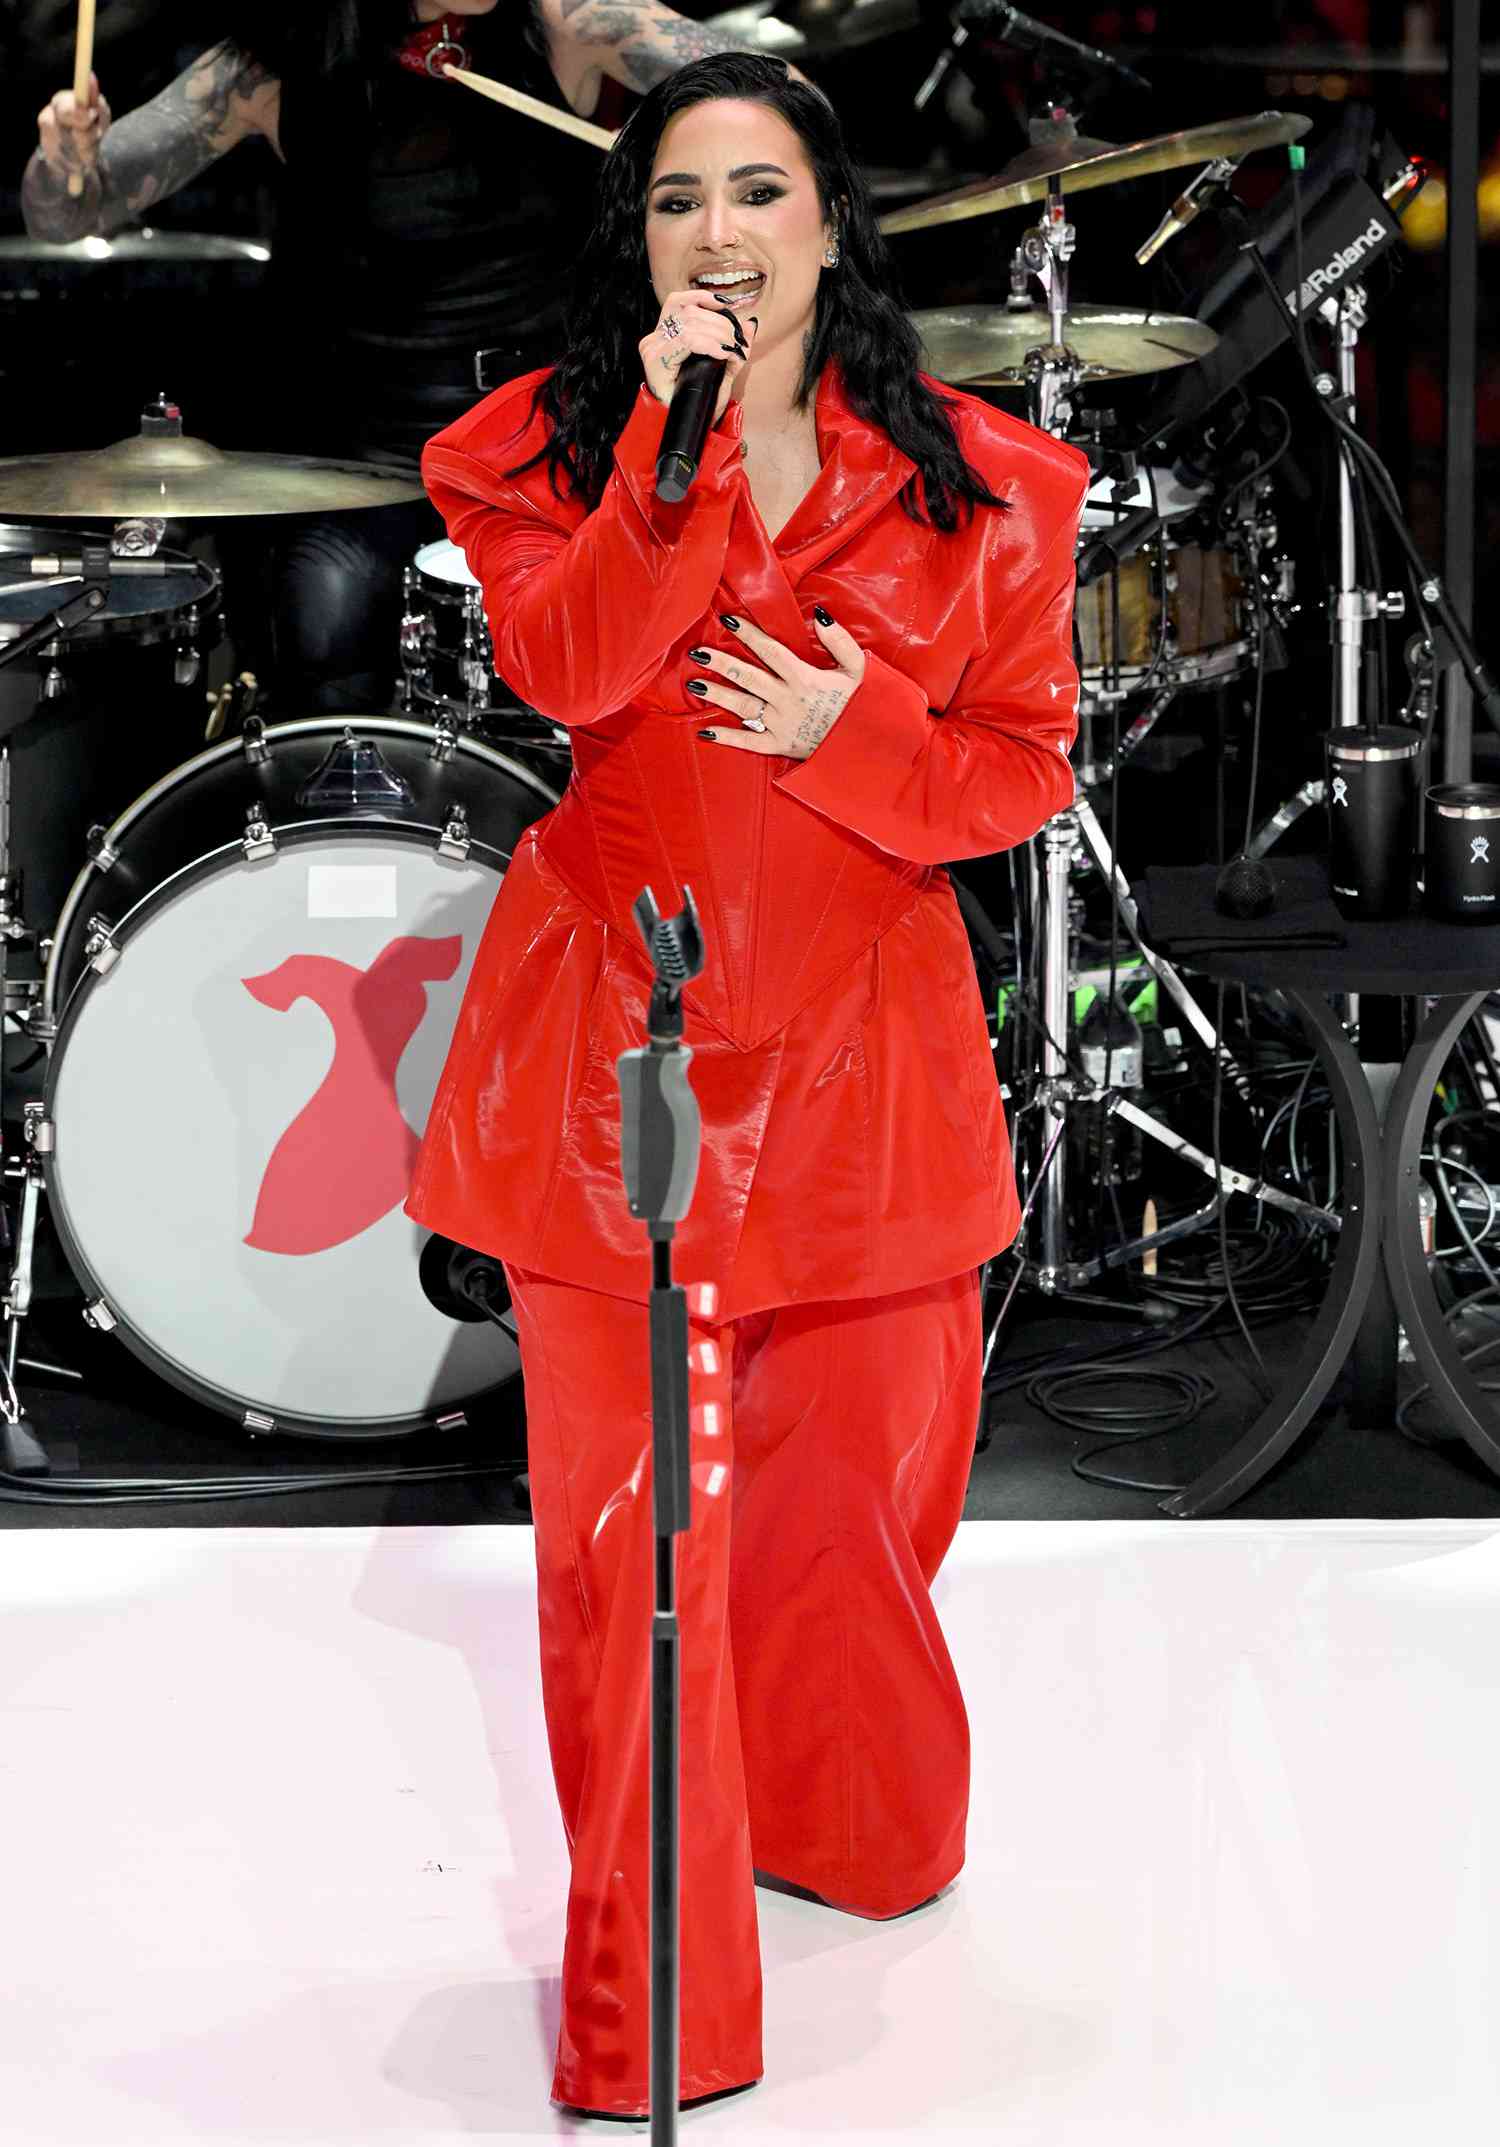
{"x":83,"y":65}
{"x":533,"y":107}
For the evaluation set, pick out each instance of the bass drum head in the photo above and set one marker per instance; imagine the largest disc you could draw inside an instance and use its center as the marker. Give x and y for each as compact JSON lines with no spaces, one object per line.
{"x":236,"y":1103}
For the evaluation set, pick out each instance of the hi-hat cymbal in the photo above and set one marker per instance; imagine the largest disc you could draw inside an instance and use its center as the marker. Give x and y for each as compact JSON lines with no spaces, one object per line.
{"x":180,"y":478}
{"x":1109,"y":167}
{"x":988,"y":345}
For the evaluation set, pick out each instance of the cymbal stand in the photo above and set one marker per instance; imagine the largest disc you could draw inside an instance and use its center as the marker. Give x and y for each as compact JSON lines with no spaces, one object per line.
{"x":20,"y":1451}
{"x":1351,"y":607}
{"x":1052,"y":369}
{"x":1051,"y":379}
{"x":1065,"y":839}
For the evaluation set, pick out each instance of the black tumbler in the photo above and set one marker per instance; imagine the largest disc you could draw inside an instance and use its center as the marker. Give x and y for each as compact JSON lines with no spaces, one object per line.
{"x":1372,"y":818}
{"x":1462,"y":867}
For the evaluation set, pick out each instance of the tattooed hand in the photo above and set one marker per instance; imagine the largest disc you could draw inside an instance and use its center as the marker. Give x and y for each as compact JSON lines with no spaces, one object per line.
{"x":635,"y":42}
{"x":784,"y":705}
{"x":69,"y":133}
{"x":131,"y":165}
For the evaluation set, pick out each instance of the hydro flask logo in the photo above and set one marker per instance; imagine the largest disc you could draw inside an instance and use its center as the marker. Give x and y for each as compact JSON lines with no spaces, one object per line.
{"x":1479,"y":850}
{"x":1341,"y":792}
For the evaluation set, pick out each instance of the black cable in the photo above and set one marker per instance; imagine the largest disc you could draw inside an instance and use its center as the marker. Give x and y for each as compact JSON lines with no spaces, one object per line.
{"x":1262,"y":467}
{"x":1223,"y":1216}
{"x":1259,"y":704}
{"x":165,"y":1491}
{"x":1429,"y":595}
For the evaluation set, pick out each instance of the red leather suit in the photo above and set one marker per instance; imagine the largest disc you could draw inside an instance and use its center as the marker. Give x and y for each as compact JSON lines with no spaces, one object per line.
{"x":854,"y":1145}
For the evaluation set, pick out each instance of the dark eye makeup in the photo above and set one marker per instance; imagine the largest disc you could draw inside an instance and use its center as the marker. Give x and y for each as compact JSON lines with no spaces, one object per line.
{"x":755,"y":197}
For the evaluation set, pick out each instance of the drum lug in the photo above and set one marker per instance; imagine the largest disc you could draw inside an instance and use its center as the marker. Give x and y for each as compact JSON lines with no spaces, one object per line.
{"x":258,"y":839}
{"x":255,"y":1420}
{"x":444,"y":739}
{"x":101,"y":856}
{"x":99,"y":949}
{"x":41,"y":1134}
{"x":414,"y":637}
{"x":456,"y":1420}
{"x":186,"y":665}
{"x":253,"y":739}
{"x":454,"y":840}
{"x":98,"y":1314}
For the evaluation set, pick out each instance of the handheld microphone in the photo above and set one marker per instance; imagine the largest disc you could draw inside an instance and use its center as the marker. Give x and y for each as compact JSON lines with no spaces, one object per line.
{"x":689,"y":416}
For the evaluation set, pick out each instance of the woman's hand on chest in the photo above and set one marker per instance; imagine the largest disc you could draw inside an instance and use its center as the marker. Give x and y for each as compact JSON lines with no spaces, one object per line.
{"x":782,"y":704}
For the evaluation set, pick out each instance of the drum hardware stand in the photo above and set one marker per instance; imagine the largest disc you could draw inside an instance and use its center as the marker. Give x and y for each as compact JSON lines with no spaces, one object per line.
{"x":1052,"y":369}
{"x":1052,"y":378}
{"x":1063,"y":837}
{"x":20,"y":1451}
{"x":1350,"y":606}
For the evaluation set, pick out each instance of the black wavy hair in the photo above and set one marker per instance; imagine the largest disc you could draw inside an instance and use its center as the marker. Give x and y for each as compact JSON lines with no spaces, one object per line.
{"x":859,"y":322}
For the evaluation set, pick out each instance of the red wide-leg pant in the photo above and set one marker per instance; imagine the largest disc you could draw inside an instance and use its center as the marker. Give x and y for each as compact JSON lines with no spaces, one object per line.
{"x":824,"y":1738}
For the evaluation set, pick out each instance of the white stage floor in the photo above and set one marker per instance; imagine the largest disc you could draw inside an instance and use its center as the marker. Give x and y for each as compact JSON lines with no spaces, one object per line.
{"x":282,"y":1862}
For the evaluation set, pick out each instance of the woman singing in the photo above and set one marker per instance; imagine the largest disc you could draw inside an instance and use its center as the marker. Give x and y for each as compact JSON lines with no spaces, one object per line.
{"x":843,"y":658}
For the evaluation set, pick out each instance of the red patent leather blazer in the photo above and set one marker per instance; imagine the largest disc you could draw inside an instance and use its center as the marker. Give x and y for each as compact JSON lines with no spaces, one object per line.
{"x":853,"y":1138}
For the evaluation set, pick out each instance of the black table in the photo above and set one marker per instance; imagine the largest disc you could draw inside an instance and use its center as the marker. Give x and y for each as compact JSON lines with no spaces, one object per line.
{"x":1379,"y":1275}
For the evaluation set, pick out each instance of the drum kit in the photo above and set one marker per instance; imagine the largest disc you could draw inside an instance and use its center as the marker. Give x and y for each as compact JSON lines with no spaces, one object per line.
{"x":244,"y":997}
{"x":246,"y":992}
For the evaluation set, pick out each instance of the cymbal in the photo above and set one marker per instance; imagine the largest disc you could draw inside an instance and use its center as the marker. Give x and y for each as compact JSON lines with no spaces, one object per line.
{"x":988,"y":344}
{"x":1110,"y":166}
{"x":184,"y":479}
{"x":820,"y":27}
{"x":135,"y":247}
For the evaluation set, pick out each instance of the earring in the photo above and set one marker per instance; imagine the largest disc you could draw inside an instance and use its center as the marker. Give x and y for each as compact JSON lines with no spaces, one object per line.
{"x":831,"y":257}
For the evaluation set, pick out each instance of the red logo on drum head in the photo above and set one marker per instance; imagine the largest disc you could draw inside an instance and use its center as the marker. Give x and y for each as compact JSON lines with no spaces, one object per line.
{"x":346,"y":1158}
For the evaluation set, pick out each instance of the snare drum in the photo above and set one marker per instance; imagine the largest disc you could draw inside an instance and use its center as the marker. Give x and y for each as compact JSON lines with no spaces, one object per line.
{"x":446,"y":657}
{"x":1181,"y":604}
{"x":254,"y":986}
{"x":177,"y":611}
{"x":447,"y":660}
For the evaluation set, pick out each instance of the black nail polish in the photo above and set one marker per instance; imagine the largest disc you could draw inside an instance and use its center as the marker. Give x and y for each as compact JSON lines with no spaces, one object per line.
{"x":699,"y":655}
{"x":824,"y":618}
{"x":726,"y":620}
{"x":697,"y":685}
{"x":709,"y":735}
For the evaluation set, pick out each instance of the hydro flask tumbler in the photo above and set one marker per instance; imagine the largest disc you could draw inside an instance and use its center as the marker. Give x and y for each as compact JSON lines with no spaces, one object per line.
{"x":1372,"y":818}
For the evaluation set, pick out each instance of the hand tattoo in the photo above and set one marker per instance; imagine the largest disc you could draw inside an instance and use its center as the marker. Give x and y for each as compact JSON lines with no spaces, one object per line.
{"x":650,"y":40}
{"x":818,"y":719}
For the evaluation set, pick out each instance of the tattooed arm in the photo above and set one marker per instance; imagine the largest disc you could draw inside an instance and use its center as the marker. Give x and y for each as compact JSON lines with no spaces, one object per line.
{"x":637,"y":42}
{"x":131,"y":165}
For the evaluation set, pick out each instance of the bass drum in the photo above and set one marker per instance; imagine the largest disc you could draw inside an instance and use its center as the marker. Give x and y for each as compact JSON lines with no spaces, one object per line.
{"x":258,"y":977}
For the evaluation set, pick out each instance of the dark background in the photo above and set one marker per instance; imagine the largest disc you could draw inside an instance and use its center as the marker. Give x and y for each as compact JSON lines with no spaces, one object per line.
{"x":81,"y":350}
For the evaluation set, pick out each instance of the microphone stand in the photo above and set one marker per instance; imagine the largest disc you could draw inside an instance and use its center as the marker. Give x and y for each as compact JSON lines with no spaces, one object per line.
{"x":659,"y":1141}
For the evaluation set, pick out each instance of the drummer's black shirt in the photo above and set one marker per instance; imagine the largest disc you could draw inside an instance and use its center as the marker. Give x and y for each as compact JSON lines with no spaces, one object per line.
{"x":450,"y":227}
